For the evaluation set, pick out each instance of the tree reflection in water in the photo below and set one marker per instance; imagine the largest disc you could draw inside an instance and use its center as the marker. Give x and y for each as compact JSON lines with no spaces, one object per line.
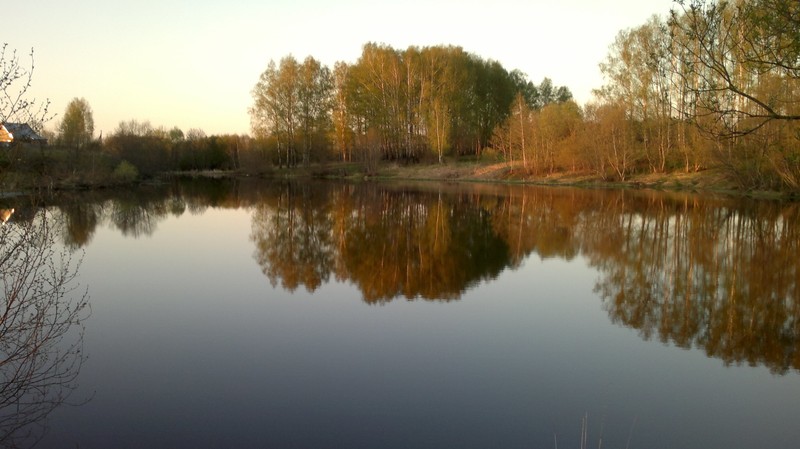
{"x":716,"y":273}
{"x":704,"y":275}
{"x":41,"y":328}
{"x":388,"y":243}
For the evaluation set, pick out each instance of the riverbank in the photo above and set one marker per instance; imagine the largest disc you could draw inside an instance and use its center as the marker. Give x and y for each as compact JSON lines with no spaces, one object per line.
{"x":710,"y":180}
{"x":508,"y":173}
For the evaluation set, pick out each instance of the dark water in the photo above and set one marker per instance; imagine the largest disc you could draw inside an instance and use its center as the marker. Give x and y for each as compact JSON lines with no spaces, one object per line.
{"x":247,"y":314}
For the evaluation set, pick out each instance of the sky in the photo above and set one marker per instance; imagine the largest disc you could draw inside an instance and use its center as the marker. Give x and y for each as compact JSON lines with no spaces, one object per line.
{"x":193,"y":64}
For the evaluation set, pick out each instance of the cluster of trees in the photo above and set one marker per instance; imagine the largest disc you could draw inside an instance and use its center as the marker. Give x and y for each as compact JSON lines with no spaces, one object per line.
{"x":294,"y":100}
{"x":152,"y":150}
{"x":146,"y":149}
{"x":390,"y":104}
{"x":739,"y":63}
{"x":136,"y":145}
{"x":713,"y":85}
{"x":639,"y":120}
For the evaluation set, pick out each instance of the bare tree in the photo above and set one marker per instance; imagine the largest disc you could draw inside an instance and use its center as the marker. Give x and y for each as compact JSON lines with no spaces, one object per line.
{"x":41,"y":310}
{"x":15,"y":82}
{"x":41,"y":328}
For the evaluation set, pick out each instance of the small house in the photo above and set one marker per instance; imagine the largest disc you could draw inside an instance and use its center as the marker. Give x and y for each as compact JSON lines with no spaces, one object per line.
{"x":18,"y":133}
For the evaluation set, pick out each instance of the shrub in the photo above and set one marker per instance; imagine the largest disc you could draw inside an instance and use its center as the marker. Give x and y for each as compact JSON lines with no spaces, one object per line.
{"x":125,"y":172}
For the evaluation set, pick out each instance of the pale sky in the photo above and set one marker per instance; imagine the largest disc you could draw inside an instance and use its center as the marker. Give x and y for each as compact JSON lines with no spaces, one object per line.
{"x":192,"y":64}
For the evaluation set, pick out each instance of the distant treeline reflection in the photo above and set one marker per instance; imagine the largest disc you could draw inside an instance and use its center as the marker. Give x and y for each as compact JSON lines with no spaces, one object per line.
{"x":715,"y":273}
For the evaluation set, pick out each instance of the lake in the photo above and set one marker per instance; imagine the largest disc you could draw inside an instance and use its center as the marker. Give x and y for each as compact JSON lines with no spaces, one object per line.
{"x":252,"y":314}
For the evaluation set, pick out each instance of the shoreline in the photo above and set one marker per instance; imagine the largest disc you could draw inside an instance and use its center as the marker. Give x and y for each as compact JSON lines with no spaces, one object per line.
{"x":710,"y":181}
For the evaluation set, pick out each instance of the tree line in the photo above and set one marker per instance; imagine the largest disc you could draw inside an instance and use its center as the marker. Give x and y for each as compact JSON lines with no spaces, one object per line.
{"x":133,"y":150}
{"x":402,"y":105}
{"x":412,"y":105}
{"x":711,"y":85}
{"x":714,"y":84}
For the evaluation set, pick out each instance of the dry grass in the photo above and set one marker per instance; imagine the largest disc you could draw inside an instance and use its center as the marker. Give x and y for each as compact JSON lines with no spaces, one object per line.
{"x":706,"y":180}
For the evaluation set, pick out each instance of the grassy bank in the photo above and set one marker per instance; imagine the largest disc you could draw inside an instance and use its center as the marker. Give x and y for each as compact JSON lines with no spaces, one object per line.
{"x":701,"y":181}
{"x":52,"y":172}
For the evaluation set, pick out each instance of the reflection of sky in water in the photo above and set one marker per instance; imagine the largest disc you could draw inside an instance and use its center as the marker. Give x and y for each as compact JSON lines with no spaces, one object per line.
{"x":190,"y":346}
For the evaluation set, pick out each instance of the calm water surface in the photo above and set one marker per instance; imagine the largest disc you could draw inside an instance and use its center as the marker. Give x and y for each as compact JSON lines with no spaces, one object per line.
{"x":250,"y":315}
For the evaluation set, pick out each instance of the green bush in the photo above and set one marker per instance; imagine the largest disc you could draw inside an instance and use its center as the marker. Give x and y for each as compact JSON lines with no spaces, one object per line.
{"x":125,"y":172}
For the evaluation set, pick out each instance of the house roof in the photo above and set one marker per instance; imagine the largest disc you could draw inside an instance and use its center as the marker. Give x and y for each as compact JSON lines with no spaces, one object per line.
{"x":23,"y":132}
{"x":5,"y":137}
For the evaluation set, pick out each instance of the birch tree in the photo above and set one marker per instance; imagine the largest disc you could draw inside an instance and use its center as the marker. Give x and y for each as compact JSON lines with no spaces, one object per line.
{"x":341,"y":116}
{"x":314,"y":91}
{"x":731,"y":47}
{"x":275,"y":108}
